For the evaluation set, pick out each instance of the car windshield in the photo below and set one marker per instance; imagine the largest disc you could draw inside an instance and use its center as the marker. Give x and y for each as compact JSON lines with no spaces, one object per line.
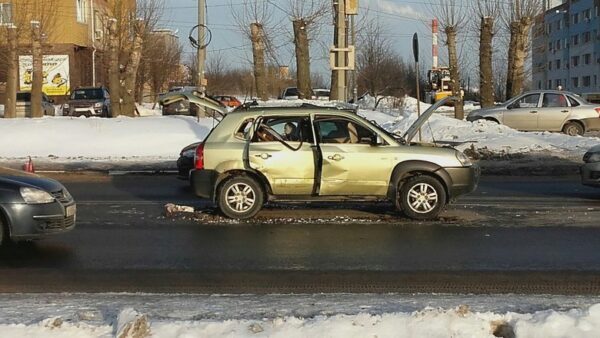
{"x":87,"y":94}
{"x":291,"y":92}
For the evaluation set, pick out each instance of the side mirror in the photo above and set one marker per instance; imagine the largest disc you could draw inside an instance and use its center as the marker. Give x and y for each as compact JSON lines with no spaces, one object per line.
{"x":375,"y":140}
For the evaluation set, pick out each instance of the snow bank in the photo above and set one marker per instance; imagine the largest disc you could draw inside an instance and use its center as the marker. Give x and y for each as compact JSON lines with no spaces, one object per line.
{"x":97,"y":138}
{"x":430,"y":322}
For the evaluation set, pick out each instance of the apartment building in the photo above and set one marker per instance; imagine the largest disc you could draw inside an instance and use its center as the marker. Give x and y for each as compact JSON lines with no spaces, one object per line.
{"x":566,"y":47}
{"x":74,"y":41}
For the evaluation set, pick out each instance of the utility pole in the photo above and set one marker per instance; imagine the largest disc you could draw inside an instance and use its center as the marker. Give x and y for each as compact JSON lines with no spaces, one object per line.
{"x":353,"y":82}
{"x":201,"y":43}
{"x":341,"y":54}
{"x":38,"y":69}
{"x":12,"y":78}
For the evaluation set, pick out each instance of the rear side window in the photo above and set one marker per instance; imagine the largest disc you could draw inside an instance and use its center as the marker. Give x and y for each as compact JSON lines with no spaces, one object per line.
{"x":573,"y":102}
{"x":554,"y":100}
{"x":284,"y":128}
{"x":243,"y":131}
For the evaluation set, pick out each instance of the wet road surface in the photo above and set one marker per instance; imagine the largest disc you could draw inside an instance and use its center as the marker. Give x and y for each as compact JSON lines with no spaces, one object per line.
{"x":517,"y":235}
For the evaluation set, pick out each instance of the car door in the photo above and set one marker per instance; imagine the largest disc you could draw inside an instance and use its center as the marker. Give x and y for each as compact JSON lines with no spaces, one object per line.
{"x":282,"y":150}
{"x":350,"y":162}
{"x":522,"y":114}
{"x":554,"y":112}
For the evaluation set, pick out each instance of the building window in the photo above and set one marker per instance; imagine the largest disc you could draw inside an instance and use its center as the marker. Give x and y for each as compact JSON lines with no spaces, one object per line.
{"x":549,"y":84}
{"x":587,"y":81}
{"x":587,"y":37}
{"x":575,"y":39}
{"x":81,"y":11}
{"x":575,"y":18}
{"x":5,"y":14}
{"x":587,"y":59}
{"x":575,"y":82}
{"x":557,"y":64}
{"x":549,"y":65}
{"x":587,"y":14}
{"x":575,"y":61}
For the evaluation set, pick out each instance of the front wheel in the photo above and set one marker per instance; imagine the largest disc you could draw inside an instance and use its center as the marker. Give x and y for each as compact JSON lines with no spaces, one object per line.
{"x":240,"y":197}
{"x":421,"y":197}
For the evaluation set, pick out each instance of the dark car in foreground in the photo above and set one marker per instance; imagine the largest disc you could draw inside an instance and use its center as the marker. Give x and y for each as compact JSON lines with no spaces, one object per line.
{"x":88,"y":102}
{"x":185,"y":163}
{"x":33,"y":206}
{"x":590,"y":170}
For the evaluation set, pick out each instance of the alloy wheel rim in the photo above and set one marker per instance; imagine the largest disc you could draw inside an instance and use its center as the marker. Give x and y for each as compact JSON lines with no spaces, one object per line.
{"x":240,"y":197}
{"x":422,"y":198}
{"x":572,"y":131}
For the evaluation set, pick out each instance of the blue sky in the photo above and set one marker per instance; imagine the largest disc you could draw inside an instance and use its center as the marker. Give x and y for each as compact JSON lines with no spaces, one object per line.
{"x":401,"y":17}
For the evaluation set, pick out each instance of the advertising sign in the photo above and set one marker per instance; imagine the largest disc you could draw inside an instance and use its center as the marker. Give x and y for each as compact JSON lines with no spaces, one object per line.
{"x":55,"y":73}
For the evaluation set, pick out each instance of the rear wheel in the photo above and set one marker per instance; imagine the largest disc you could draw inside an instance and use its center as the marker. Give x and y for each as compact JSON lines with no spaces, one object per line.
{"x":573,"y":129}
{"x":422,"y":197}
{"x":240,"y":197}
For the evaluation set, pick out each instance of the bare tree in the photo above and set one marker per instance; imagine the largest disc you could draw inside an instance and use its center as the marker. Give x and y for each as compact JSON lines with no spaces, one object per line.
{"x":380,"y":71}
{"x":519,"y":17}
{"x":452,"y":15}
{"x":487,"y":11}
{"x":131,"y":23}
{"x":304,"y":15}
{"x":159,"y":64}
{"x":12,"y":72}
{"x":255,"y":20}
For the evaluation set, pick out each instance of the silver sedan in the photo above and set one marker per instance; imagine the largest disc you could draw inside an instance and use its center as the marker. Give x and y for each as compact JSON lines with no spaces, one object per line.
{"x":590,"y":171}
{"x":548,"y":110}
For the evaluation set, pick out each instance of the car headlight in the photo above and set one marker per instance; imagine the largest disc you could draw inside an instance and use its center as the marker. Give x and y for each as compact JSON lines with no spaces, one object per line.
{"x":35,"y":196}
{"x":591,"y":157}
{"x":98,"y":105}
{"x":463,"y":159}
{"x":66,"y":106}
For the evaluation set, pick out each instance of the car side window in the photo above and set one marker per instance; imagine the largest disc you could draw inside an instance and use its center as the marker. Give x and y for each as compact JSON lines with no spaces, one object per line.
{"x":243,"y":131}
{"x":340,"y":130}
{"x":284,"y":128}
{"x":554,"y":100}
{"x":573,"y":102}
{"x":527,"y":101}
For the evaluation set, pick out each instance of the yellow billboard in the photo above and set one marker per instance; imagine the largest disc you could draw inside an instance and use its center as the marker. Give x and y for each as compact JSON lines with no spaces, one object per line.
{"x":55,"y":74}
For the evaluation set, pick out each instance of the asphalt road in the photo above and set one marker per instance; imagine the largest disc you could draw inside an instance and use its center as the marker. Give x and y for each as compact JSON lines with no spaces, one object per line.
{"x":514,"y":234}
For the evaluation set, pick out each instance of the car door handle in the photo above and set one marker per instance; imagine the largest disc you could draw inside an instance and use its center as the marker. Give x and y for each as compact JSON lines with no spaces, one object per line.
{"x":264,"y":156}
{"x":533,"y":112}
{"x":336,"y":157}
{"x":564,"y":111}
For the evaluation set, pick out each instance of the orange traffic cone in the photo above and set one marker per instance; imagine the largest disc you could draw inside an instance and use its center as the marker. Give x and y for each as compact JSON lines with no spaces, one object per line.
{"x":28,"y":167}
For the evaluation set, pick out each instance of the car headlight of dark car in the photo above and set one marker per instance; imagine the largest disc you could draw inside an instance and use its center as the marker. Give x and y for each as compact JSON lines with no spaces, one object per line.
{"x":591,"y":157}
{"x":35,"y":196}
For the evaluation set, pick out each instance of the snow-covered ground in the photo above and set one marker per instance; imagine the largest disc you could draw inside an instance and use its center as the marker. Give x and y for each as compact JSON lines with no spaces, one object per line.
{"x":155,"y":138}
{"x":322,"y":315}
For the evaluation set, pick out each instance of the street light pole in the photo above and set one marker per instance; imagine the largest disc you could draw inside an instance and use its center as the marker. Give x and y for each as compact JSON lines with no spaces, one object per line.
{"x":201,"y":42}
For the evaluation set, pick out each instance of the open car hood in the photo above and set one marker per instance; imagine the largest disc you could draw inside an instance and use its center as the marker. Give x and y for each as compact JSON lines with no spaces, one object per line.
{"x":196,"y":98}
{"x":414,"y":128}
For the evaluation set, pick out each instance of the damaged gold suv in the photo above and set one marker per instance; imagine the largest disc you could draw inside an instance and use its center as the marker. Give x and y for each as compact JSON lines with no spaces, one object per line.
{"x":310,"y":153}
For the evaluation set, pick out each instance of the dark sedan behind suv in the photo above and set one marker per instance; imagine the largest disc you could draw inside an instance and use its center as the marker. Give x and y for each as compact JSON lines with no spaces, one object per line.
{"x":32,"y":206}
{"x":88,"y":102}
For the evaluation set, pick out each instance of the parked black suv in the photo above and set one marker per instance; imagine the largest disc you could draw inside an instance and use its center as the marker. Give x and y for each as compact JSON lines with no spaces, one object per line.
{"x":92,"y":101}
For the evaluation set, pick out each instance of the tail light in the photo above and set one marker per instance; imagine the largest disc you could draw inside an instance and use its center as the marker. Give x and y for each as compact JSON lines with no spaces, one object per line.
{"x":598,"y":111}
{"x":199,"y":158}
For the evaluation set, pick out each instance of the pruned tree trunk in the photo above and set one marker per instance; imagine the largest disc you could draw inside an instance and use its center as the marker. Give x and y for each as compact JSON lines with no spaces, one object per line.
{"x":333,"y":93}
{"x":12,"y":75}
{"x":521,"y":55}
{"x":129,"y":76}
{"x":486,"y":73}
{"x":114,"y":81}
{"x":454,"y":72}
{"x":258,"y":54}
{"x":511,"y":70}
{"x":38,"y":70}
{"x":302,"y":59}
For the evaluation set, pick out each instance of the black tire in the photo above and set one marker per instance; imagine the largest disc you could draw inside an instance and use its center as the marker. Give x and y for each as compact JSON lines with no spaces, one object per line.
{"x":240,"y":197}
{"x":573,"y":129}
{"x":421,"y":197}
{"x":4,"y":235}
